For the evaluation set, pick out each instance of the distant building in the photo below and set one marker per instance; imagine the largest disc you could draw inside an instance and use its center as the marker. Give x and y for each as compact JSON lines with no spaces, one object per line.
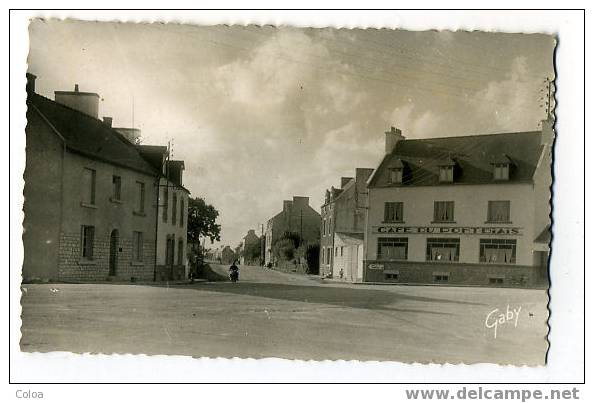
{"x":90,"y":194}
{"x":296,"y":217}
{"x":251,"y":243}
{"x":343,"y":226}
{"x":228,"y":255}
{"x":461,"y":210}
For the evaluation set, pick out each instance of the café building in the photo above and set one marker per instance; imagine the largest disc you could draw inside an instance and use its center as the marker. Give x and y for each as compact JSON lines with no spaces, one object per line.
{"x":461,"y":210}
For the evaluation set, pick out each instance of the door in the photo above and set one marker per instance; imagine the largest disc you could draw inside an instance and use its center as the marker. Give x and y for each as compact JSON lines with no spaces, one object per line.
{"x":113,"y":252}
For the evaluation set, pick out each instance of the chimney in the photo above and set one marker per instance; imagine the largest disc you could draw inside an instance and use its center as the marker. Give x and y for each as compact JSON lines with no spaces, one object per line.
{"x":362,"y":174}
{"x":85,"y":102}
{"x":287,"y":205}
{"x":300,"y":202}
{"x":107,"y":120}
{"x":31,"y":83}
{"x":548,"y":134}
{"x":344,"y":180}
{"x":392,"y":138}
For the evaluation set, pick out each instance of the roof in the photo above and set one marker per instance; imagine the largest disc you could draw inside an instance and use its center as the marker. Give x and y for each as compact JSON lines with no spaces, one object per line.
{"x":473,"y":157}
{"x":544,"y":236}
{"x":89,"y":136}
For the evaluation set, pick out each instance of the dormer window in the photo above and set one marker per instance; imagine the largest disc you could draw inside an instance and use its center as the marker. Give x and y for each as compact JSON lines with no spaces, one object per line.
{"x":446,"y":173}
{"x":397,"y":171}
{"x":501,"y":172}
{"x":396,"y":175}
{"x":501,"y":167}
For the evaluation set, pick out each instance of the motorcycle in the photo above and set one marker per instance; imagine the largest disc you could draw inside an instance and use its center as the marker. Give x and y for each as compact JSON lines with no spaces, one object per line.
{"x":234,"y":276}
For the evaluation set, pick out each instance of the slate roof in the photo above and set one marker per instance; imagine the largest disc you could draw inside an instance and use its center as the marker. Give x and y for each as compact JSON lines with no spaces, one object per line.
{"x":544,"y":236}
{"x":91,"y":137}
{"x":473,"y":156}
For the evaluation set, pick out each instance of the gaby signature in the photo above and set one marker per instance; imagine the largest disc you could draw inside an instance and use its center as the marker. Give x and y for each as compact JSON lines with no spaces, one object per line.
{"x":497,"y":318}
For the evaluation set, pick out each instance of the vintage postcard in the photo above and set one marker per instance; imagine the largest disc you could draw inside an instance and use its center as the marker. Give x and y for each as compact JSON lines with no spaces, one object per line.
{"x":277,"y":191}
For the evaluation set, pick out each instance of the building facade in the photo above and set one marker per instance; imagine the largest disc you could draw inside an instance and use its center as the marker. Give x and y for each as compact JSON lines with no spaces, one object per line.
{"x":461,"y":210}
{"x":342,"y":227}
{"x":90,"y":196}
{"x":297,"y":217}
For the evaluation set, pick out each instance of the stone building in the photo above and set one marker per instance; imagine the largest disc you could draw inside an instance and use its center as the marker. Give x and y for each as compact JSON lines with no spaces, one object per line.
{"x":172,"y":214}
{"x":251,"y":246}
{"x":342,"y":228}
{"x":90,"y":195}
{"x":461,"y":210}
{"x":297,"y":217}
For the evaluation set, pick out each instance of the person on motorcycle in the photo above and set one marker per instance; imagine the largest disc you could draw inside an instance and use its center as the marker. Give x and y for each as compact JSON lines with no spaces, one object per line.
{"x":234,"y":272}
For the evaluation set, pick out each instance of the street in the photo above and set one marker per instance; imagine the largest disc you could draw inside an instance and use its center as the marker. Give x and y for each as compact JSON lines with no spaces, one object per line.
{"x":273,"y":314}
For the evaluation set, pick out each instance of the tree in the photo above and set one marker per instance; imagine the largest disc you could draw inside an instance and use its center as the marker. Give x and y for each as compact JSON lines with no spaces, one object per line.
{"x":202,"y":219}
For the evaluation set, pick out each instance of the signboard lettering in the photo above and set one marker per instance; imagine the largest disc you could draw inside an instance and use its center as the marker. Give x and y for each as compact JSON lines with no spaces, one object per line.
{"x":448,"y":230}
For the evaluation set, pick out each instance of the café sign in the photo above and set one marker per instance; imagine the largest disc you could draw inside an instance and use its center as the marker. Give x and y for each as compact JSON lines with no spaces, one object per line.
{"x":448,"y":230}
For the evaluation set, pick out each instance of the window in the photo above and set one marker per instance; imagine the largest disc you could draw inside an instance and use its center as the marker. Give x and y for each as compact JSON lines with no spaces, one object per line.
{"x":174,"y":209}
{"x":336,"y":251}
{"x":88,"y":237}
{"x":341,"y":250}
{"x":182,"y":213}
{"x":501,"y":172}
{"x":180,"y":252}
{"x":396,"y":175}
{"x":89,"y":181}
{"x":441,"y":277}
{"x":500,"y":251}
{"x":392,"y":248}
{"x":140,"y":197}
{"x":116,"y":193}
{"x":324,"y":255}
{"x":498,"y":211}
{"x":137,"y":246}
{"x":329,"y":255}
{"x":391,"y":276}
{"x":446,"y":173}
{"x":495,"y":280}
{"x":443,"y":211}
{"x":324,"y":227}
{"x":393,"y":211}
{"x":165,"y":202}
{"x":443,"y":249}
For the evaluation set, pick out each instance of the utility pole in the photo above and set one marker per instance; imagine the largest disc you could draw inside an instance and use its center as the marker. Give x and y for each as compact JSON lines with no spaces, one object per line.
{"x":546,"y":95}
{"x":262,"y":244}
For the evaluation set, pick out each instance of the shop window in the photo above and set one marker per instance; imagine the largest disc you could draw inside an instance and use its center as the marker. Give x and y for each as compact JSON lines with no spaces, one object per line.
{"x":88,"y":237}
{"x":391,"y":276}
{"x":443,"y":211}
{"x":498,"y":211}
{"x":137,"y":246}
{"x":89,"y":182}
{"x":393,"y":211}
{"x":441,"y":277}
{"x":392,"y":248}
{"x":498,"y":251}
{"x":496,"y":280}
{"x":443,"y":249}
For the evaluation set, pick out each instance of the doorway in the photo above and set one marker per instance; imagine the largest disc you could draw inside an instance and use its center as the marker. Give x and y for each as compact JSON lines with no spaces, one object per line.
{"x":113,"y":252}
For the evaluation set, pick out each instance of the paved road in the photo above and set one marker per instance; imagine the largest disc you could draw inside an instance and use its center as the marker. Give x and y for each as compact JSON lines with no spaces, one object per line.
{"x":273,"y":314}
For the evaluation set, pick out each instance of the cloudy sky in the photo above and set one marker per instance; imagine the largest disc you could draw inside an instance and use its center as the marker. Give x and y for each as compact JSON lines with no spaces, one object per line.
{"x":260,"y":114}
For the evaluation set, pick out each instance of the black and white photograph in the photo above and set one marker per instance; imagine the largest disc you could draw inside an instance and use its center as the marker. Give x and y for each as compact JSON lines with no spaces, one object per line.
{"x":277,"y":191}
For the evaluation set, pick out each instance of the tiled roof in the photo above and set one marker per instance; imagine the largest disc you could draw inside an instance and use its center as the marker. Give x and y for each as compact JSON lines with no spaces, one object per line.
{"x":89,"y":136}
{"x":473,"y":156}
